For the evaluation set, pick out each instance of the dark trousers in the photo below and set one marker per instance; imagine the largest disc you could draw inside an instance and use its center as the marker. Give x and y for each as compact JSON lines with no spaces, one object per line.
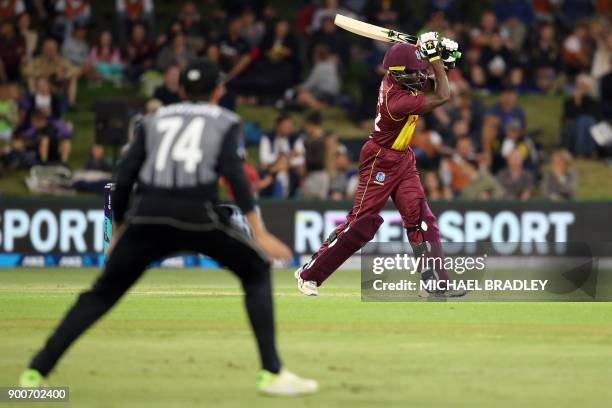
{"x":139,"y":244}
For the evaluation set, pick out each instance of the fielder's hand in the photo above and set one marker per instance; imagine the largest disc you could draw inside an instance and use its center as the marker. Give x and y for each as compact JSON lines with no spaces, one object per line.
{"x":449,"y":52}
{"x":428,"y":46}
{"x":273,"y":247}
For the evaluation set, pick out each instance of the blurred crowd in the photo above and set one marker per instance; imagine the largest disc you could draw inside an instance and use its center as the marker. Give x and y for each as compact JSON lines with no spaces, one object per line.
{"x":296,"y":60}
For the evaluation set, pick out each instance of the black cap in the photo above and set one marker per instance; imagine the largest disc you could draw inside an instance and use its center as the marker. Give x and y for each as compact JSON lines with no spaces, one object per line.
{"x":201,"y":77}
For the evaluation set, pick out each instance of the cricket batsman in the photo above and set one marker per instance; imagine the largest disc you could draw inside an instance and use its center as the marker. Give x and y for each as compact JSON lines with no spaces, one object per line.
{"x":387,"y":165}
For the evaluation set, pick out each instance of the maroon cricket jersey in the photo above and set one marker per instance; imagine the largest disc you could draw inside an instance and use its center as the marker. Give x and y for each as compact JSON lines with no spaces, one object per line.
{"x":396,"y":115}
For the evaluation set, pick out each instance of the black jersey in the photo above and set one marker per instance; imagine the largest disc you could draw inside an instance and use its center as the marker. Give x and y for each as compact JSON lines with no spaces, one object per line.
{"x":176,"y":160}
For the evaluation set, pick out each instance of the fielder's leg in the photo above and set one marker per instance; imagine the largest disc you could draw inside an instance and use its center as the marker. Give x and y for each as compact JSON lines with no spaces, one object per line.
{"x":232,"y":249}
{"x":133,"y":252}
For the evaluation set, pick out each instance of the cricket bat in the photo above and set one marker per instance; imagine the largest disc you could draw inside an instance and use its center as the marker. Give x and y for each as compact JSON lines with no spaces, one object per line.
{"x":372,"y":31}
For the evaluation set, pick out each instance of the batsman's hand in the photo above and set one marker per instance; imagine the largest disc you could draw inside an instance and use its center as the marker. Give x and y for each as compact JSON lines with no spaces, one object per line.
{"x":449,"y":52}
{"x":272,"y":246}
{"x":428,"y":45}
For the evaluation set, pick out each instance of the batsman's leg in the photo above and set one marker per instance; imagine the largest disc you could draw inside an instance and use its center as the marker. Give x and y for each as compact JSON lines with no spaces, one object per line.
{"x":422,"y":228}
{"x":132,"y":254}
{"x":340,"y":245}
{"x":377,"y":175}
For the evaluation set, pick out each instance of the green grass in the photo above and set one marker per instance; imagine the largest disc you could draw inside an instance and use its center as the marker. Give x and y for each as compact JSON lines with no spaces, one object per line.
{"x":181,"y":339}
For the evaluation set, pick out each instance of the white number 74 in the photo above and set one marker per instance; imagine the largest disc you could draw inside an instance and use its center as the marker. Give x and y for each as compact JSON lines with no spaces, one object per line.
{"x":187,"y":148}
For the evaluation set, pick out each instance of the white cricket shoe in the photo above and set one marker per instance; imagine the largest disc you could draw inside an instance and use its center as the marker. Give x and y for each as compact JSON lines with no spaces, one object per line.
{"x":285,"y":384}
{"x":307,"y":287}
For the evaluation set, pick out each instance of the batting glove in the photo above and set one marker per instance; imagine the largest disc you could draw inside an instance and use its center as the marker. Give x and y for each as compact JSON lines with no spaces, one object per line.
{"x":428,"y":46}
{"x":449,"y":52}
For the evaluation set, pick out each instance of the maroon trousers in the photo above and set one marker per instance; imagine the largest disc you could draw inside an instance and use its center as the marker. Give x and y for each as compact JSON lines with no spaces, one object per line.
{"x":384,"y":173}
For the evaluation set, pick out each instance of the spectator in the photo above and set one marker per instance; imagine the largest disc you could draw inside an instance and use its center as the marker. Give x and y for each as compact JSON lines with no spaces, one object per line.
{"x":256,"y":184}
{"x":516,"y":139}
{"x":385,"y":12}
{"x":9,"y":115}
{"x":193,"y":27}
{"x":106,"y":58}
{"x":323,"y":83}
{"x":42,"y":100}
{"x":176,"y":27}
{"x":602,"y":57}
{"x":76,"y":49}
{"x":434,"y":189}
{"x":58,"y":70}
{"x":329,"y":10}
{"x":452,"y":9}
{"x":170,"y":92}
{"x":97,"y":161}
{"x":334,"y":39}
{"x":279,"y":55}
{"x":235,"y":57}
{"x":12,"y":52}
{"x":580,"y":112}
{"x":481,"y":36}
{"x":140,"y":52}
{"x":517,"y":182}
{"x":437,"y":22}
{"x":50,"y":139}
{"x":463,"y":116}
{"x":463,"y":174}
{"x":499,"y":65}
{"x":346,"y":179}
{"x":176,"y":53}
{"x":131,"y":12}
{"x":316,"y":180}
{"x":280,"y":51}
{"x":545,"y":59}
{"x":426,"y":145}
{"x":605,"y":91}
{"x":9,"y":10}
{"x":576,"y":50}
{"x":274,"y":151}
{"x":496,"y":121}
{"x":29,"y":35}
{"x":519,"y":10}
{"x":253,"y":30}
{"x":571,"y":12}
{"x":560,"y":181}
{"x":70,"y":13}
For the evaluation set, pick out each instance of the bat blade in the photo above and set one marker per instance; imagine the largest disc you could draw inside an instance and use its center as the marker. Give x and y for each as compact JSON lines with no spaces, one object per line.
{"x":372,"y":31}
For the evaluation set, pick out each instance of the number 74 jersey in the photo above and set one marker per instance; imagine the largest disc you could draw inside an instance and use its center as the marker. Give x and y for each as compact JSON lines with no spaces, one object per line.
{"x":397,"y":112}
{"x":185,"y":144}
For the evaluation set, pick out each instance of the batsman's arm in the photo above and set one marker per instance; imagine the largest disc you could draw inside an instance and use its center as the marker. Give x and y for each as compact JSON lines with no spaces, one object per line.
{"x":441,"y":93}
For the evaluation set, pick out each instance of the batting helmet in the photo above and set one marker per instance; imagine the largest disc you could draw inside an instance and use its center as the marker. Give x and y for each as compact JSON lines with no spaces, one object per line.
{"x":406,"y":66}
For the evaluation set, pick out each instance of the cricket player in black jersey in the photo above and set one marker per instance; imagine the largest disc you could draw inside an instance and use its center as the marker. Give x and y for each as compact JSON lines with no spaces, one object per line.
{"x":171,"y":171}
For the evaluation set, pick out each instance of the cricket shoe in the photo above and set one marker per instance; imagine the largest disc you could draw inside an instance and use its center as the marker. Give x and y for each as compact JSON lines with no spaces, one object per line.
{"x":285,"y":383}
{"x":431,"y":275}
{"x":307,"y":287}
{"x":31,"y":378}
